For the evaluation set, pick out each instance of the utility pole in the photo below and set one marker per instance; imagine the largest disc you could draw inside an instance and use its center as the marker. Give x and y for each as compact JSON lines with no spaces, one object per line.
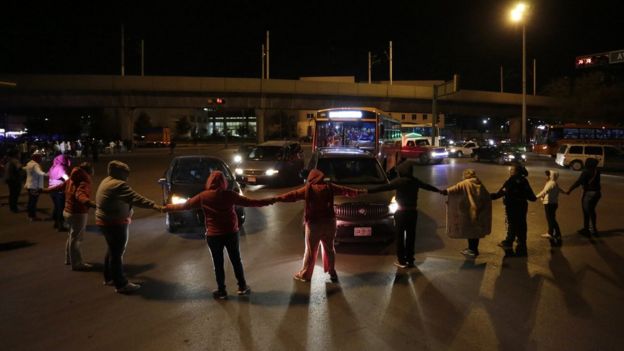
{"x":390,"y":62}
{"x":370,"y":64}
{"x":268,"y":52}
{"x":123,"y":66}
{"x":142,"y":57}
{"x":501,"y":78}
{"x":262,"y":59}
{"x":534,"y":77}
{"x":440,"y":90}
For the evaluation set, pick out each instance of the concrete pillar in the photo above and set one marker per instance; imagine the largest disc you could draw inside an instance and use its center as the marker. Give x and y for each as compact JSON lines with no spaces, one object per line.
{"x":260,"y":124}
{"x":125,"y":120}
{"x":515,"y":129}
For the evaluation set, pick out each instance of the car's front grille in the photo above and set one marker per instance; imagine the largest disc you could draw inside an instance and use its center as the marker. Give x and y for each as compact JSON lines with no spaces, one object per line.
{"x":361,"y":210}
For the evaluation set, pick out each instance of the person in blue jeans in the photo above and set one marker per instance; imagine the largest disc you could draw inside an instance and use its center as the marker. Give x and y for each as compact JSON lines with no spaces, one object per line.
{"x":590,"y":181}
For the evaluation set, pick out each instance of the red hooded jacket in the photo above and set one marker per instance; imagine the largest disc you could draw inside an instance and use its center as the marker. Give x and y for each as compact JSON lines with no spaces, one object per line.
{"x":318,"y":196}
{"x":77,"y":192}
{"x":218,"y":203}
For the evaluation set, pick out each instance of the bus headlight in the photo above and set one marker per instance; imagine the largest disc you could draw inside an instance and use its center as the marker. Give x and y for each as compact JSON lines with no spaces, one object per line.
{"x":270,"y":172}
{"x":238,"y":171}
{"x":238,"y":158}
{"x":176,"y":200}
{"x":393,"y":206}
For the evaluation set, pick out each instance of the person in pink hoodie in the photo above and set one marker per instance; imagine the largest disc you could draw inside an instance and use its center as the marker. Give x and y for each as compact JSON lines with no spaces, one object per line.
{"x":218,"y":205}
{"x":58,"y":174}
{"x":320,"y":221}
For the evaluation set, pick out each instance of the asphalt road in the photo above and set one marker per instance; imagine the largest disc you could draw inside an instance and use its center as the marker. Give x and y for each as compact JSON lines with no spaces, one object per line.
{"x":567,"y":299}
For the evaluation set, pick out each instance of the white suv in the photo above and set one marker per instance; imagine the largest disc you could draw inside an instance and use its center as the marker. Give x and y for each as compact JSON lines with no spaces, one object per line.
{"x":575,"y":155}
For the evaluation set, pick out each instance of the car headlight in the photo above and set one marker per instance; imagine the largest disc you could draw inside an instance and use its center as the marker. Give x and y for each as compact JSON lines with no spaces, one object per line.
{"x":393,"y":206}
{"x":238,"y":171}
{"x":453,"y":150}
{"x":523,"y":156}
{"x":238,"y":158}
{"x":511,"y":157}
{"x":271,"y":171}
{"x":176,"y":200}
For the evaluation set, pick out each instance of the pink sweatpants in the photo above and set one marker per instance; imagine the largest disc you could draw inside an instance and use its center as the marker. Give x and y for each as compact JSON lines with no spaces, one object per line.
{"x":319,"y":232}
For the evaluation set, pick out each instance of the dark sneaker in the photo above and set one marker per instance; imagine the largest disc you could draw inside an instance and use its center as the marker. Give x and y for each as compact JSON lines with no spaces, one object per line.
{"x":130,"y":287}
{"x":469,"y":253}
{"x":400,"y":264}
{"x":245,"y":290}
{"x":410,"y":264}
{"x":584,"y":232}
{"x":505,"y":244}
{"x":300,"y":278}
{"x":219,"y":294}
{"x":333,"y":277}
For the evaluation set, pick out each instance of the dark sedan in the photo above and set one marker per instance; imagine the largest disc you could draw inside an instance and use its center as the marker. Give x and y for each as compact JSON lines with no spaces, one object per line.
{"x":185,"y":178}
{"x":503,"y":154}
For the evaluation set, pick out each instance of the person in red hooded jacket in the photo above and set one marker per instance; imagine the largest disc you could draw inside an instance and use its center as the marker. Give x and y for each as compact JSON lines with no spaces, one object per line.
{"x":77,"y":194}
{"x":320,"y":221}
{"x":221,"y":223}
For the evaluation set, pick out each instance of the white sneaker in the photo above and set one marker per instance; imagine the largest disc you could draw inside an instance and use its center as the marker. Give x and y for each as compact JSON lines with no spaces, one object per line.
{"x":546,"y":236}
{"x":130,"y":287}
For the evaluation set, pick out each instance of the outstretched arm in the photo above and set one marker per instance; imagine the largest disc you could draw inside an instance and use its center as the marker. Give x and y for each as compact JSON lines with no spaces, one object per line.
{"x":292,"y":196}
{"x":241,"y":200}
{"x":347,"y":191}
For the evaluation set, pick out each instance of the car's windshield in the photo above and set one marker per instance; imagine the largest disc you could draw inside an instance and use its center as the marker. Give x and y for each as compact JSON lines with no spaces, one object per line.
{"x":266,"y":153}
{"x":196,"y":170}
{"x":513,"y":148}
{"x":352,"y":170}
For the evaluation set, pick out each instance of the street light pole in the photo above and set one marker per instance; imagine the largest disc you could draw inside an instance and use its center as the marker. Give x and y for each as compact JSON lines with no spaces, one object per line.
{"x":524,"y":115}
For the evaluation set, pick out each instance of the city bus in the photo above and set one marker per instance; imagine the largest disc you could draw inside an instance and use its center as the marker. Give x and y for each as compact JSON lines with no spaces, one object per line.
{"x":366,"y":128}
{"x":548,"y":138}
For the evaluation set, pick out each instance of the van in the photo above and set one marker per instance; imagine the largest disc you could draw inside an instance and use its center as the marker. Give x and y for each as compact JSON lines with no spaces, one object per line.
{"x":575,"y":155}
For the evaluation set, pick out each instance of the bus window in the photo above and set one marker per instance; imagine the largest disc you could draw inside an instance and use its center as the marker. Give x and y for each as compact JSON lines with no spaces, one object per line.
{"x":586,"y":133}
{"x":602,"y":133}
{"x":554,"y":135}
{"x":570,"y":133}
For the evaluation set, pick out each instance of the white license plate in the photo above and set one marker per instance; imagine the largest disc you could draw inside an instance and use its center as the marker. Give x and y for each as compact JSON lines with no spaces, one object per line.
{"x":251,"y":179}
{"x":362,"y":231}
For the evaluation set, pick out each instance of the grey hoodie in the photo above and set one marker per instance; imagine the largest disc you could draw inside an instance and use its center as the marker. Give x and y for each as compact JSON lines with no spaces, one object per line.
{"x":115,"y":198}
{"x":550,"y":193}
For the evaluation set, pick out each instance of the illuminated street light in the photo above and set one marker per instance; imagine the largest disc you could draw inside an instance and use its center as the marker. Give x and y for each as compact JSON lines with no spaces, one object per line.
{"x":518,"y":14}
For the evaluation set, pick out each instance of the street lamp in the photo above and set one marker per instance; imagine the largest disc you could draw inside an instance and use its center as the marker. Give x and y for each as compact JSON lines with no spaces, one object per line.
{"x":518,"y":14}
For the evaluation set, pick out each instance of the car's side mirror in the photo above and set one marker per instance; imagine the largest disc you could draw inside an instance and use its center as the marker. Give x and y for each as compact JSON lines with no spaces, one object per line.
{"x":162,"y":181}
{"x":304,"y":174}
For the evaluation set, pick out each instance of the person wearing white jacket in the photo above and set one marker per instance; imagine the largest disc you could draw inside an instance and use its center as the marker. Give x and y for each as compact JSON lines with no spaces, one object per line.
{"x":550,"y":198}
{"x":34,"y":184}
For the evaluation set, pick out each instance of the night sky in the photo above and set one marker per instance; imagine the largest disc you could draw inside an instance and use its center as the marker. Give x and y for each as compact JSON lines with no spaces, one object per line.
{"x":432,"y":39}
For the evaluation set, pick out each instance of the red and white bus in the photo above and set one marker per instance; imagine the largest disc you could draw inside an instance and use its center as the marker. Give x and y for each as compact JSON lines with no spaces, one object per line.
{"x":548,"y":138}
{"x":365,"y":128}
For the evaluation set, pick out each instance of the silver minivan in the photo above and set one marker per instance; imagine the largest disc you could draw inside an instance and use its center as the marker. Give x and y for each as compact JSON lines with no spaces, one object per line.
{"x":575,"y":155}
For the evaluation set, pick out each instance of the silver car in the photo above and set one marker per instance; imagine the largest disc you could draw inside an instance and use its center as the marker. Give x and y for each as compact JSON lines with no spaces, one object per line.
{"x":271,"y":163}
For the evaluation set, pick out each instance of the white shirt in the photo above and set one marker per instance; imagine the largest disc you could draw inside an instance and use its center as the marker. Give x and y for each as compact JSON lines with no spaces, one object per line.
{"x":34,"y":175}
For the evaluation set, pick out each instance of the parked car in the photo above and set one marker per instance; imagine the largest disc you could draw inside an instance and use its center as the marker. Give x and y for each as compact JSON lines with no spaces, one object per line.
{"x":364,"y":218}
{"x":575,"y":155}
{"x":463,"y":149}
{"x":271,"y":163}
{"x":503,"y":154}
{"x":185,"y":178}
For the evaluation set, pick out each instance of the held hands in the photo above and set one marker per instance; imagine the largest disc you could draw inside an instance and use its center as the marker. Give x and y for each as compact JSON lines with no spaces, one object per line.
{"x":161,"y":209}
{"x":443,"y":192}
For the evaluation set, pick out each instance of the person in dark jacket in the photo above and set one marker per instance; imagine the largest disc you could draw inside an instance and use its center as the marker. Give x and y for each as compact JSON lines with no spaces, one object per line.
{"x":516,"y":192}
{"x":14,"y":178}
{"x":590,"y":181}
{"x":405,"y":217}
{"x":320,"y":221}
{"x":218,"y":205}
{"x":114,"y":200}
{"x":77,"y":190}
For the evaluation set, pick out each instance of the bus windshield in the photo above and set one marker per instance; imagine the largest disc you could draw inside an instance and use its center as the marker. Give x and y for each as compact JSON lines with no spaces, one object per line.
{"x":345,"y":133}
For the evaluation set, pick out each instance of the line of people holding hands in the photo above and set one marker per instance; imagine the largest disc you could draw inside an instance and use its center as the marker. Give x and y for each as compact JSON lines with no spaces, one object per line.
{"x":469,"y":215}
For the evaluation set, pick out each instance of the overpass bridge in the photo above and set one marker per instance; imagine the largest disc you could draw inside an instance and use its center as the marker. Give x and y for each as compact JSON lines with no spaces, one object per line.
{"x":128,"y":93}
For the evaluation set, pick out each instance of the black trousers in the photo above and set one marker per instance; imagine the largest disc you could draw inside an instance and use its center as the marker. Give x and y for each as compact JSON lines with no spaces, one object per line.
{"x":58,"y":199}
{"x":553,"y":226}
{"x":33,"y":197}
{"x":229,"y":242}
{"x":516,"y":213}
{"x":14,"y":192}
{"x":589,"y":202}
{"x":405,"y":224}
{"x":473,"y":244}
{"x":116,"y":239}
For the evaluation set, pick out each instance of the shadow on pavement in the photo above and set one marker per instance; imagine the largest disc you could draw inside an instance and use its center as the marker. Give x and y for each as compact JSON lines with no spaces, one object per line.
{"x":14,"y":245}
{"x":613,"y":259}
{"x":131,"y":270}
{"x":427,"y":239}
{"x":568,"y":283}
{"x":292,"y":331}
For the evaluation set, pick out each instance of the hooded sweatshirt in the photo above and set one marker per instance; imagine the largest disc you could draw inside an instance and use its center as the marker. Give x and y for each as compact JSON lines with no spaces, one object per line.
{"x":115,"y":198}
{"x":589,"y":178}
{"x":318,"y":196}
{"x":406,"y":186}
{"x":218,"y":203}
{"x":550,"y":193}
{"x":59,"y":171}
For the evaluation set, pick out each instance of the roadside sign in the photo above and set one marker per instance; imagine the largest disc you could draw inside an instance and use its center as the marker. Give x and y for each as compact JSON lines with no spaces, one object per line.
{"x":616,"y":56}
